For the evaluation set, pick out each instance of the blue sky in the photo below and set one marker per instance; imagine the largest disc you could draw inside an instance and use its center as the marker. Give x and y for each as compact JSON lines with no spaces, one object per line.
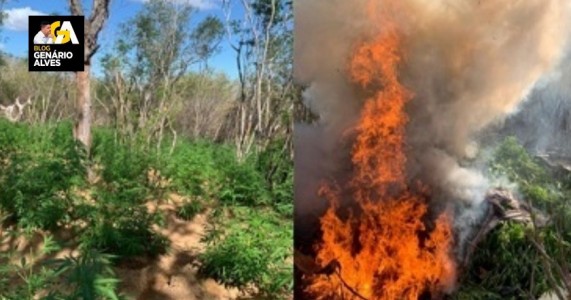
{"x":14,"y":33}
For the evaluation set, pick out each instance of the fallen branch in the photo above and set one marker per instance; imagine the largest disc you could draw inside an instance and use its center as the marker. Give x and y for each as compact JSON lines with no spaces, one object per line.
{"x":14,"y":112}
{"x":502,"y":206}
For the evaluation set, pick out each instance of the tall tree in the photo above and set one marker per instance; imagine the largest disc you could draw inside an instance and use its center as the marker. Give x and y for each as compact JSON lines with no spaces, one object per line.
{"x":156,"y":49}
{"x":93,"y":25}
{"x":2,"y":16}
{"x":262,"y":39}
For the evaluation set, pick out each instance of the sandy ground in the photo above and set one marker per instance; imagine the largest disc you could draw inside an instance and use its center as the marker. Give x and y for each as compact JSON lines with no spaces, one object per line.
{"x":172,"y":276}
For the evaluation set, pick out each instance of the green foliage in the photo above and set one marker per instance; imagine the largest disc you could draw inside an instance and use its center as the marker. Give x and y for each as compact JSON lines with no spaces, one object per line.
{"x":43,"y":171}
{"x":249,"y":242}
{"x":38,"y":177}
{"x":122,"y":162}
{"x":192,"y":167}
{"x":279,"y":9}
{"x":507,"y":265}
{"x":208,"y":170}
{"x":537,"y":184}
{"x":189,"y":210}
{"x":23,"y":280}
{"x":87,"y":276}
{"x":471,"y":291}
{"x":253,"y":249}
{"x":158,"y":41}
{"x":206,"y":37}
{"x":37,"y":141}
{"x":2,"y":16}
{"x":241,"y":183}
{"x":118,"y":224}
{"x":276,"y":165}
{"x":10,"y":137}
{"x":513,"y":161}
{"x":42,"y":181}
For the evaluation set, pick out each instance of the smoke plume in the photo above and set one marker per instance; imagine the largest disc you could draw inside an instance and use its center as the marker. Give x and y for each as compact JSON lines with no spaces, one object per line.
{"x":469,"y":63}
{"x":543,"y":122}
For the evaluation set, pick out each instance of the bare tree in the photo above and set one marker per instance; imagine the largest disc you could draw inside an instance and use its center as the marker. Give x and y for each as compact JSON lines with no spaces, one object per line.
{"x":14,"y":112}
{"x":49,"y":92}
{"x":207,"y":99}
{"x":2,"y":15}
{"x":262,"y":40}
{"x":93,"y":25}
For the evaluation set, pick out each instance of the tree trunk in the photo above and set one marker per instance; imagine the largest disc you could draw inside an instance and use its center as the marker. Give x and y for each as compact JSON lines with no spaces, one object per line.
{"x":82,"y":130}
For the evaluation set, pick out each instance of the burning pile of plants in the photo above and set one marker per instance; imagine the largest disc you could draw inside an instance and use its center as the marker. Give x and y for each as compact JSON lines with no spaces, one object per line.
{"x":396,"y":186}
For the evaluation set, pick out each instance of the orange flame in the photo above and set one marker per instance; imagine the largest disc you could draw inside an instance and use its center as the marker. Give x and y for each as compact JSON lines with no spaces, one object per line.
{"x":385,"y":250}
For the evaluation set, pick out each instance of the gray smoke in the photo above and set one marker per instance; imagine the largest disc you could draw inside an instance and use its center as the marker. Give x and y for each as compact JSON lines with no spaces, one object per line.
{"x":543,"y":122}
{"x":323,"y":38}
{"x":469,"y":63}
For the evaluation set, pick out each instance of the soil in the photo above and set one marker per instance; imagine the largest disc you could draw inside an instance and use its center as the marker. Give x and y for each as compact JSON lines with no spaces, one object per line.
{"x":174,"y":276}
{"x":171,"y":276}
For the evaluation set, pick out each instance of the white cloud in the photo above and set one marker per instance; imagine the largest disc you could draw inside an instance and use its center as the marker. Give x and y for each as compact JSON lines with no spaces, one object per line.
{"x":17,"y":18}
{"x":200,"y":4}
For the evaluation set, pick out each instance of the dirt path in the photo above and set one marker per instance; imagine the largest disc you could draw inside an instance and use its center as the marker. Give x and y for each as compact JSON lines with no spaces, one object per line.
{"x":173,"y":276}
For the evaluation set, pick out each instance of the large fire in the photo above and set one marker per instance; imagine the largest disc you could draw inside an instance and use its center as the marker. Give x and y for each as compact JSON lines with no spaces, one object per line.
{"x":388,"y":247}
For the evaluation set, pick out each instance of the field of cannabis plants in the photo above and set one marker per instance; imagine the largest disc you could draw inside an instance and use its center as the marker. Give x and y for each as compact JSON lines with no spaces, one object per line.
{"x":66,"y":235}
